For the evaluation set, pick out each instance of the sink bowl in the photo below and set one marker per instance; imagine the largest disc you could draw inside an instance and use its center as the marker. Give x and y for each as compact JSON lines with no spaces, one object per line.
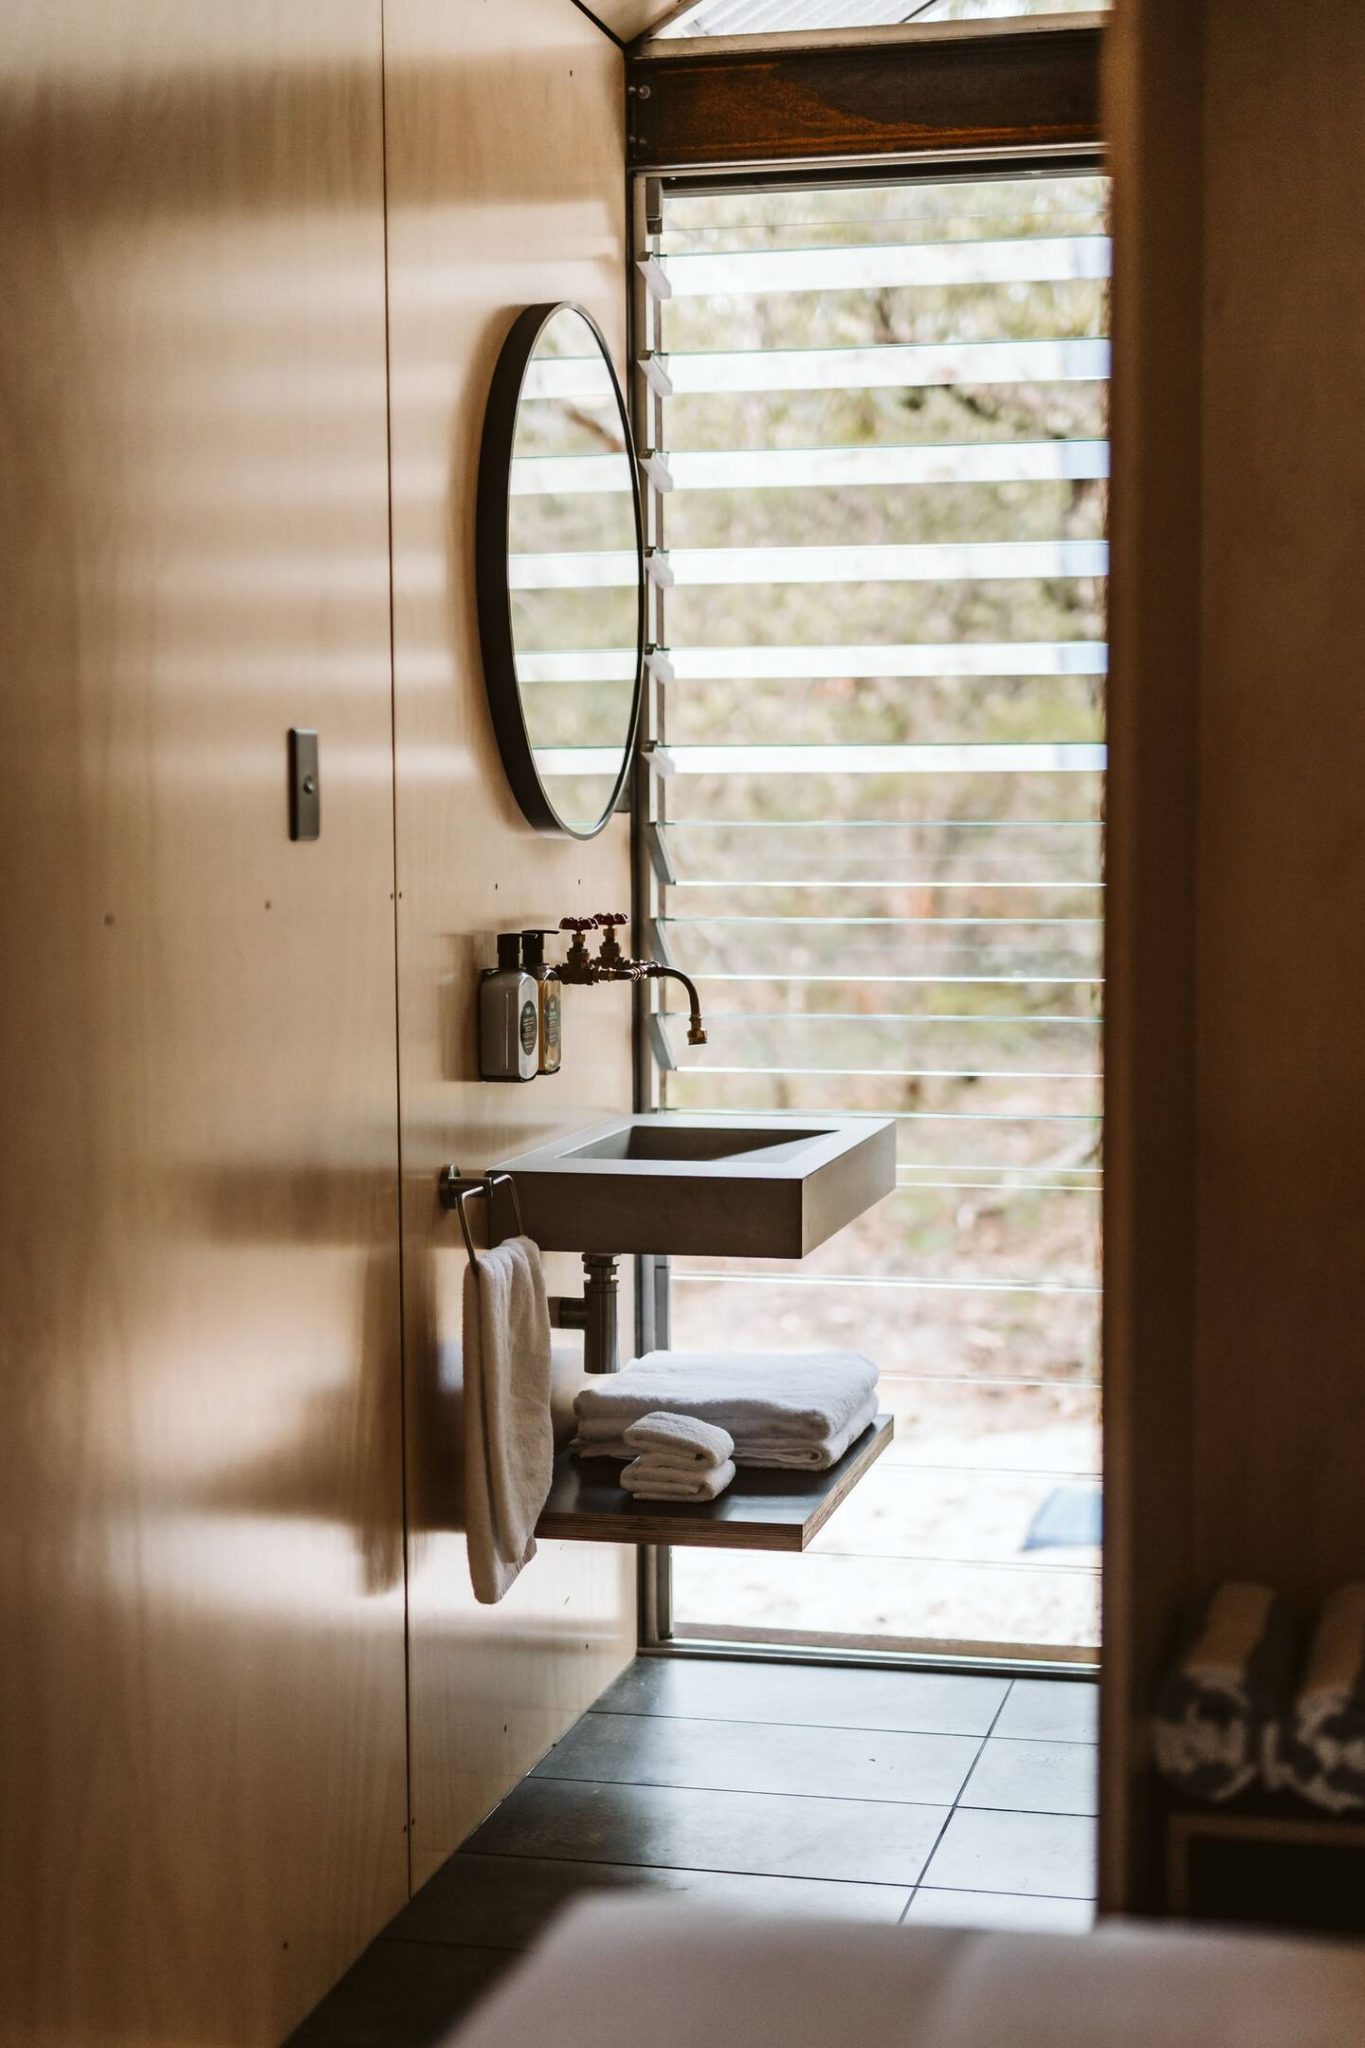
{"x":662,"y":1139}
{"x":750,"y":1187}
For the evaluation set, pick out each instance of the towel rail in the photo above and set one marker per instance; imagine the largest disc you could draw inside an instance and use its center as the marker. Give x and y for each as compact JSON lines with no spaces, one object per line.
{"x":455,"y":1189}
{"x":594,"y":1312}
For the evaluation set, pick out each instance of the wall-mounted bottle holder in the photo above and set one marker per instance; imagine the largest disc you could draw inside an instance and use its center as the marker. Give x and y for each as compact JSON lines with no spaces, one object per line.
{"x":514,"y":1030}
{"x":520,"y":1000}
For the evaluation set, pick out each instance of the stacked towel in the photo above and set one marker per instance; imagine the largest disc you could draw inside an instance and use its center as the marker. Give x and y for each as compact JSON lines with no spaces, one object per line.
{"x":1318,"y":1749}
{"x":799,"y":1409}
{"x":677,"y":1458}
{"x":1226,"y":1690}
{"x":509,"y":1438}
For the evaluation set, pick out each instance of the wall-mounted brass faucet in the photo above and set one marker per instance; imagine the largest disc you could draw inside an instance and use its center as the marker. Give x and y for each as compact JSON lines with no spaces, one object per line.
{"x":610,"y":964}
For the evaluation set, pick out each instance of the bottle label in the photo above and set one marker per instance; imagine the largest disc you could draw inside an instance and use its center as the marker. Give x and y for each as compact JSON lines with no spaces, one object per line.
{"x":528,"y":1027}
{"x":552,"y":1005}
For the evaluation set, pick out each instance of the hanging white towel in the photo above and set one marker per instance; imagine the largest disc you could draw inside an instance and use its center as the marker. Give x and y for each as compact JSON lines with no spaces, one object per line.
{"x":679,"y":1440}
{"x":509,"y":1438}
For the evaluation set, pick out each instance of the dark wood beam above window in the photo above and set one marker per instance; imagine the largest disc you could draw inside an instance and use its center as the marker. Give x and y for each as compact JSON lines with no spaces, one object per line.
{"x":820,"y":98}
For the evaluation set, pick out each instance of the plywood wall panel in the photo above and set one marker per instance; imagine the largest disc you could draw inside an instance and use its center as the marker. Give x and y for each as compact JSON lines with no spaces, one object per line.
{"x":505,"y":181}
{"x":201,"y":1575}
{"x":1280,"y":1435}
{"x":1235,"y":1429}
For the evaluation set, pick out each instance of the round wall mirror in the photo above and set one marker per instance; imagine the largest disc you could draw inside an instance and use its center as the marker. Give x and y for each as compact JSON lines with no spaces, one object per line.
{"x":560,"y":571}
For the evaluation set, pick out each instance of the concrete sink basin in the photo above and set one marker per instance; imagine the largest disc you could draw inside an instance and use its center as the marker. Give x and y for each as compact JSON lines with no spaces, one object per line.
{"x":754,"y":1187}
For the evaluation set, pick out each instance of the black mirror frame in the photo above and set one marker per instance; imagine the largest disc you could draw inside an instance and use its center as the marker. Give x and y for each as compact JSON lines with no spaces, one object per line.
{"x":492,"y":589}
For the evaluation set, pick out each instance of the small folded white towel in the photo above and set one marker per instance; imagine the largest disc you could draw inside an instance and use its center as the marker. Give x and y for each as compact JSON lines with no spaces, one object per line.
{"x":1317,"y":1747}
{"x":650,"y":1478}
{"x":509,"y":1438}
{"x":681,"y":1440}
{"x":799,"y":1409}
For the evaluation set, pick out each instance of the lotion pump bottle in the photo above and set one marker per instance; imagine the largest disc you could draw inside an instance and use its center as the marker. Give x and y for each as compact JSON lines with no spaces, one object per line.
{"x":509,"y":1017}
{"x":551,"y":992}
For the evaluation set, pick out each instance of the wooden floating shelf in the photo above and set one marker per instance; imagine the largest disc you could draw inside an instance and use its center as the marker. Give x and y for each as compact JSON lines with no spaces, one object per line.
{"x":760,"y":1510}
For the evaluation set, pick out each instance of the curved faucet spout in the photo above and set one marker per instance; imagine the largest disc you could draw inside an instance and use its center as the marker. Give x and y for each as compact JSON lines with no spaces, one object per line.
{"x":696,"y":1030}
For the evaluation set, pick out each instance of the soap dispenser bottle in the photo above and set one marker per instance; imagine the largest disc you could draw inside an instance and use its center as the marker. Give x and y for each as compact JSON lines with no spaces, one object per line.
{"x":509,"y":1017}
{"x":551,"y":993}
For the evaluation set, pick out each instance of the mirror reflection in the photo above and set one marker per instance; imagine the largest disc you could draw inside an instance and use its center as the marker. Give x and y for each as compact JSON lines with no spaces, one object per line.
{"x":574,"y":570}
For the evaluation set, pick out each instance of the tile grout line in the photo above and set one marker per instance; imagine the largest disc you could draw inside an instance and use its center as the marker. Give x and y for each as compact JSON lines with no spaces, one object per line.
{"x":749,"y":1792}
{"x":928,"y":1861}
{"x":881,"y":1884}
{"x":831,"y":1798}
{"x":818,"y":1727}
{"x":829,"y":1728}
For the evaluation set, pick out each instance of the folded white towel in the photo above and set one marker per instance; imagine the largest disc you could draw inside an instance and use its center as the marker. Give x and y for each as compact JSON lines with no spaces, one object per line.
{"x":768,"y":1447}
{"x":1229,"y":1683}
{"x":780,"y":1452}
{"x":680,"y":1440}
{"x":649,"y":1478}
{"x":777,"y":1402}
{"x":509,"y":1438}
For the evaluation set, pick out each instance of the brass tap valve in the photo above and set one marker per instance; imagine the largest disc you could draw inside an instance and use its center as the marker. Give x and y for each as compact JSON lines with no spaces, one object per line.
{"x":609,"y":954}
{"x":578,"y":962}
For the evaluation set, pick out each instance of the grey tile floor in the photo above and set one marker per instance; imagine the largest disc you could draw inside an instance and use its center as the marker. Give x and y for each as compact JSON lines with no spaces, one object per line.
{"x":884,"y":1795}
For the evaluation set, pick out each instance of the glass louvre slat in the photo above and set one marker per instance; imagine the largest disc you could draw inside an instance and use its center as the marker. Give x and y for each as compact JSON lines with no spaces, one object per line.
{"x":686,"y":824}
{"x":902,"y":883}
{"x":923,"y":562}
{"x":974,"y":1286}
{"x":882,"y":728}
{"x":733,"y":664}
{"x":973,"y":1048}
{"x":718,"y":1019}
{"x":940,"y":1117}
{"x":1028,"y":757}
{"x":935,"y":561}
{"x":951,"y":658}
{"x":1030,"y":259}
{"x":967,"y":224}
{"x":917,"y":464}
{"x":820,"y":468}
{"x":699,"y":664}
{"x":896,"y":365}
{"x":1020,"y":923}
{"x":906,"y":1073}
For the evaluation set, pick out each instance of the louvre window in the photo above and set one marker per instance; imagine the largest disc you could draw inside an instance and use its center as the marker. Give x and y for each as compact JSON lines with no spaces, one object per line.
{"x":875,"y":429}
